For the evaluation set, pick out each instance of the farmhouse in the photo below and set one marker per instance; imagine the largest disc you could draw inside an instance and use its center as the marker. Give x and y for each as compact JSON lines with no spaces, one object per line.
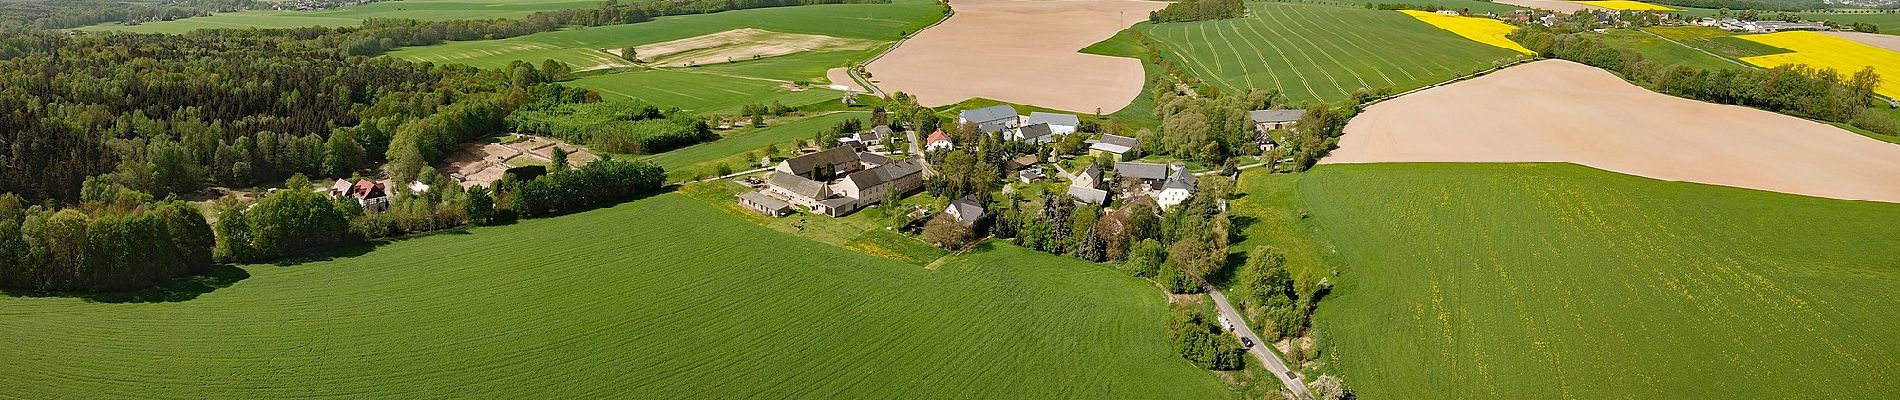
{"x":764,"y":204}
{"x":992,"y":119}
{"x":1116,"y":148}
{"x":1090,"y":177}
{"x":1033,"y":133}
{"x":966,"y":210}
{"x":1059,"y":124}
{"x":372,"y":195}
{"x":1019,"y":163}
{"x":937,"y":141}
{"x":1169,"y":185}
{"x":1088,"y":195}
{"x":814,"y":181}
{"x":1030,"y":175}
{"x":823,"y":165}
{"x":1274,"y":119}
{"x":872,"y":160}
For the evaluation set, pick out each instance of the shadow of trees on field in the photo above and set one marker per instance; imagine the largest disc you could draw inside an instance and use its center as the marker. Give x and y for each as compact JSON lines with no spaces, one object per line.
{"x":181,"y":289}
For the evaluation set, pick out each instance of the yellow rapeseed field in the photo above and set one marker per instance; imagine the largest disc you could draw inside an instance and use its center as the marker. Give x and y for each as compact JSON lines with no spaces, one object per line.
{"x":1483,"y":30}
{"x":1626,"y":5}
{"x":1821,"y":50}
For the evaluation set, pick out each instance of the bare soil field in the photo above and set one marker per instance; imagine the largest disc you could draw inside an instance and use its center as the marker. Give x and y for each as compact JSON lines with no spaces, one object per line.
{"x":1560,"y":111}
{"x":1889,"y":42}
{"x":480,"y":163}
{"x":738,"y":44}
{"x":1021,"y":52}
{"x":1552,"y":5}
{"x":842,"y":77}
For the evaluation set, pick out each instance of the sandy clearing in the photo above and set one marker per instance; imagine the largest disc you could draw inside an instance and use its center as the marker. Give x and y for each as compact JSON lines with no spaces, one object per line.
{"x":481,"y":163}
{"x":842,"y":76}
{"x":1889,"y":42}
{"x":1020,"y":52}
{"x":1552,"y":5}
{"x":1560,"y":111}
{"x":738,"y":45}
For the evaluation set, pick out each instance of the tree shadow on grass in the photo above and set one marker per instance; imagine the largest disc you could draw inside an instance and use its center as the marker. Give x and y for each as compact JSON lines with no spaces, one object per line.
{"x":181,"y":289}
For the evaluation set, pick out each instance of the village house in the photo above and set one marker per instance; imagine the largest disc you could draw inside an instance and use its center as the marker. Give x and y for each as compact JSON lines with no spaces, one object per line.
{"x":823,"y":165}
{"x":835,"y":182}
{"x":372,"y":195}
{"x":1029,"y":175}
{"x":966,"y":210}
{"x":1059,"y":124}
{"x":1033,"y":133}
{"x":1275,"y":119}
{"x":1084,"y":188}
{"x":764,"y":204}
{"x":1169,"y":185}
{"x":1116,"y":148}
{"x":992,"y":119}
{"x":1733,"y":24}
{"x":938,"y":141}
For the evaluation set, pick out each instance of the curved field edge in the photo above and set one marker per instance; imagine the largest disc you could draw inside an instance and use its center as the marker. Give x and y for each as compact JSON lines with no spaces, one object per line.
{"x":661,"y":297}
{"x":1562,"y":281}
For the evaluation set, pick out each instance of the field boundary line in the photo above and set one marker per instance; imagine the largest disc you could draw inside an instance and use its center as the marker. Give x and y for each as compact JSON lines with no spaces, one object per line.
{"x":948,"y":11}
{"x":1450,"y":81}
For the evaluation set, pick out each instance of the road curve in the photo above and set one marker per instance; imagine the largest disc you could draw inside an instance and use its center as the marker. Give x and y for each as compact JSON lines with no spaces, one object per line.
{"x":1259,"y":350}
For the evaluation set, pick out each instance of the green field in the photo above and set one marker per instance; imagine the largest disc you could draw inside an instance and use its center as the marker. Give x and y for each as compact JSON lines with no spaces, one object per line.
{"x":433,"y":10}
{"x":1321,"y":52}
{"x":711,"y":88}
{"x":1553,"y":281}
{"x":659,"y":298}
{"x":1662,"y":51}
{"x":731,"y":148}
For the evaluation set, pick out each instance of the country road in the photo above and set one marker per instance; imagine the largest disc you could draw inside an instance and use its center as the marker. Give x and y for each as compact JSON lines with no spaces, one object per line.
{"x":1259,"y":350}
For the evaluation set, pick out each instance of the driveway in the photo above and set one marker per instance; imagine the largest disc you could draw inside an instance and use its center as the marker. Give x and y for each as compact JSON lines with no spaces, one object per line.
{"x":1259,"y":350}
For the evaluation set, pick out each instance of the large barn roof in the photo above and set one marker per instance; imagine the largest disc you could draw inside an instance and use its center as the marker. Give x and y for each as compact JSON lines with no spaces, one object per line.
{"x":986,"y":114}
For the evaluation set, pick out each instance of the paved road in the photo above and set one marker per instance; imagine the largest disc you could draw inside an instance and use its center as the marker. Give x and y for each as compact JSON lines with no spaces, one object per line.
{"x":1259,"y":350}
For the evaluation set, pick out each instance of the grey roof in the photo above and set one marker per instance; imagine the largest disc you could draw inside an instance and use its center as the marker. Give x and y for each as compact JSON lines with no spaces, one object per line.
{"x":763,"y":200}
{"x":1146,"y":171}
{"x":1120,"y":140}
{"x":1110,"y":147}
{"x":986,"y":114}
{"x":1093,"y":174}
{"x":873,"y":158}
{"x":1276,"y":115}
{"x":968,"y":208}
{"x":884,"y":173}
{"x":882,"y":131}
{"x":836,"y":155}
{"x":1035,"y":131}
{"x":1089,"y":195}
{"x":1038,"y":117}
{"x":1031,"y":174}
{"x":1182,"y":179}
{"x":797,"y":185}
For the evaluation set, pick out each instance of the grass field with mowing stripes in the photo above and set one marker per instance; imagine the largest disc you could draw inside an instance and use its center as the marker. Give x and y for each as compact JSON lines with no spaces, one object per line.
{"x":659,"y":298}
{"x":1320,"y":52}
{"x":1553,"y":281}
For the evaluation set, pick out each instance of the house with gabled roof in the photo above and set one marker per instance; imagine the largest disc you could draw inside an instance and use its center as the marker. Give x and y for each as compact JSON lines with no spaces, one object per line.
{"x":992,"y":119}
{"x":1116,"y":148}
{"x":938,"y":141}
{"x":1033,"y":133}
{"x":823,"y":165}
{"x":1059,"y":124}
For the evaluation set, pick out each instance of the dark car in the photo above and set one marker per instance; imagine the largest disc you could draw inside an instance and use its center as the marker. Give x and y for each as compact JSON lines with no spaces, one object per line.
{"x":1246,"y":342}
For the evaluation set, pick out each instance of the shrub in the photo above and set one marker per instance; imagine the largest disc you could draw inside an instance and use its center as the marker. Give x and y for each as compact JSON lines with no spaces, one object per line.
{"x":1877,"y":122}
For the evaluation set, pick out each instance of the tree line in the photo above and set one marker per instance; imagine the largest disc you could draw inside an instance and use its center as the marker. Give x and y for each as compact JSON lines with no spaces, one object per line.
{"x":124,"y":241}
{"x":1198,"y":10}
{"x":22,"y":15}
{"x":1795,"y":89}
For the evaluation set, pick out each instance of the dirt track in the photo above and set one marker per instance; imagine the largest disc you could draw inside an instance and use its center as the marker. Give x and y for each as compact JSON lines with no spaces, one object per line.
{"x":1020,"y":52}
{"x":1560,"y":111}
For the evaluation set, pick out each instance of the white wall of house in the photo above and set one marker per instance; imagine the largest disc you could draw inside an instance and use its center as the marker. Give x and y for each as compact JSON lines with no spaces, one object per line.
{"x":1171,"y":197}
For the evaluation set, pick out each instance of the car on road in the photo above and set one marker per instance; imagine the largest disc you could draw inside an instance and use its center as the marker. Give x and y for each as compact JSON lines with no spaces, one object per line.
{"x":1246,"y":342}
{"x":1226,"y":323}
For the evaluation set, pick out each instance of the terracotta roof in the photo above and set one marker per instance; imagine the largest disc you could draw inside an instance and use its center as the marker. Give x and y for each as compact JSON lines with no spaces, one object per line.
{"x":937,"y":136}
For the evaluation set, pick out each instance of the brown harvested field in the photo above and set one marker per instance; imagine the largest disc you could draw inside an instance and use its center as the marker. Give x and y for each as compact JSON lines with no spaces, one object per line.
{"x":1021,"y":52}
{"x":840,"y":76}
{"x":1552,"y":5}
{"x":1560,"y":111}
{"x":1889,"y":42}
{"x":739,"y":44}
